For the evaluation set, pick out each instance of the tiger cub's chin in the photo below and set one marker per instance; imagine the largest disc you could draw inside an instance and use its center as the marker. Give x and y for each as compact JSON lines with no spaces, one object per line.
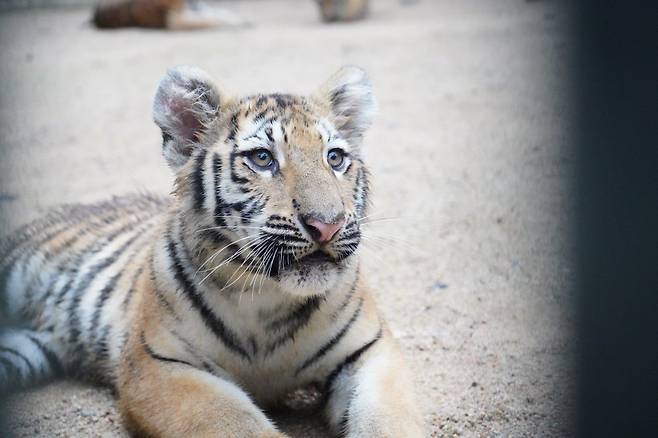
{"x":317,"y":274}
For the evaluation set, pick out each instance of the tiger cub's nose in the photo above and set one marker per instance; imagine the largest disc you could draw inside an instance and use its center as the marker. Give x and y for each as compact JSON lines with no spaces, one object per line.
{"x":322,"y":232}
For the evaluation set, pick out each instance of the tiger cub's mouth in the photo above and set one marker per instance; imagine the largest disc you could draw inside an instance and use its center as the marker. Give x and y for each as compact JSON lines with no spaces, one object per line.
{"x":316,"y":263}
{"x":317,"y":257}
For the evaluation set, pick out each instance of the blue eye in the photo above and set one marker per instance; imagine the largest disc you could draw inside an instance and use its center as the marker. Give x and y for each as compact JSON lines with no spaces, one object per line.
{"x":262,"y":158}
{"x":335,"y":158}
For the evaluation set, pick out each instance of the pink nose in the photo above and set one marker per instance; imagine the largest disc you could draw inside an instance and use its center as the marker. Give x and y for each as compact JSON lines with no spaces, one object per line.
{"x":321,"y":232}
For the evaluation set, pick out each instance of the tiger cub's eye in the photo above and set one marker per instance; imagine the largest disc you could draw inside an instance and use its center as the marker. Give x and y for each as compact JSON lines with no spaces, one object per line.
{"x":335,"y":158}
{"x":262,"y":158}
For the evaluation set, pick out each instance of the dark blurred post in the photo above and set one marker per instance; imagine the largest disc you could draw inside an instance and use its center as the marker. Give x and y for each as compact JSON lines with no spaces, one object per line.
{"x":616,"y":103}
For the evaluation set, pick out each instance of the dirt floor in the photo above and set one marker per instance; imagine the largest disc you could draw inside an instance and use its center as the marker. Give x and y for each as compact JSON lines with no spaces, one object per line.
{"x":469,"y":154}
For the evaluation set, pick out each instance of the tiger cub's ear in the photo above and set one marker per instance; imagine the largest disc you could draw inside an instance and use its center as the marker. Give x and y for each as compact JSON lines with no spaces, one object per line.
{"x":349,"y":94}
{"x":186,"y":108}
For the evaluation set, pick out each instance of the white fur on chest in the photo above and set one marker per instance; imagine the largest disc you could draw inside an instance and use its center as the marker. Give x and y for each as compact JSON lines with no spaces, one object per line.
{"x":278,"y":332}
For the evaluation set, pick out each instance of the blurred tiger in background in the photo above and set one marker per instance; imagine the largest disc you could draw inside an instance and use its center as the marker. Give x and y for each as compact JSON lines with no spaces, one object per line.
{"x":193,"y":14}
{"x":205,"y":308}
{"x":163,"y":14}
{"x":343,"y":10}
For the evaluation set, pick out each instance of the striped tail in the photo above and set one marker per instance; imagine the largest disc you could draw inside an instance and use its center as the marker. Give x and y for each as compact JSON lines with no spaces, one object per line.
{"x":26,"y":357}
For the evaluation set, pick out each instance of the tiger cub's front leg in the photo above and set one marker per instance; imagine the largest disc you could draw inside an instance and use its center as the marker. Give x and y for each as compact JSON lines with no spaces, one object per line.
{"x":164,"y":396}
{"x":371,"y":396}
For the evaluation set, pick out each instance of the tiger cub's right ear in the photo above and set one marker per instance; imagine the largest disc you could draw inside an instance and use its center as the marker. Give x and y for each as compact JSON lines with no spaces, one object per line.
{"x":186,"y":108}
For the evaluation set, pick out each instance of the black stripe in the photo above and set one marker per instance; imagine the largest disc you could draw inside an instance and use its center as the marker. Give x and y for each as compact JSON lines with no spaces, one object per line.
{"x":48,"y":253}
{"x":349,"y":360}
{"x":237,"y":179}
{"x":283,"y":100}
{"x":100,"y":303}
{"x":102,"y":348}
{"x":348,"y":297}
{"x":268,"y":133}
{"x":344,"y":418}
{"x":332,"y":342}
{"x":238,"y":206}
{"x":302,"y":311}
{"x":198,"y":188}
{"x":219,"y":239}
{"x":75,"y":262}
{"x":220,"y":210}
{"x":28,"y":249}
{"x":342,"y":255}
{"x":105,"y":213}
{"x":91,"y":224}
{"x":156,"y":356}
{"x":256,"y":133}
{"x":17,"y":246}
{"x":206,"y":366}
{"x":132,"y":288}
{"x":280,"y":261}
{"x":255,"y":209}
{"x":13,"y":370}
{"x":360,"y":190}
{"x":276,"y":226}
{"x":105,"y":293}
{"x":293,"y":322}
{"x":336,"y":95}
{"x":22,"y":357}
{"x":286,"y":238}
{"x":351,"y":225}
{"x":48,"y":256}
{"x":166,"y":137}
{"x":260,"y":118}
{"x":59,"y":222}
{"x":262,"y":100}
{"x":73,"y":309}
{"x":51,"y":357}
{"x":233,"y":127}
{"x":253,"y":344}
{"x":349,"y":236}
{"x":349,"y":245}
{"x":211,"y":320}
{"x":162,"y":299}
{"x":190,"y":349}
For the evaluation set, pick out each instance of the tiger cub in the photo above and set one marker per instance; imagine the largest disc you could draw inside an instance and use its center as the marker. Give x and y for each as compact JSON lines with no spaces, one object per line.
{"x":202,"y":309}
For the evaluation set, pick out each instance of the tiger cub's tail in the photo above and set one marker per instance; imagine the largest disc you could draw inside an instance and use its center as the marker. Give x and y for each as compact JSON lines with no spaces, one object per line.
{"x":26,"y":357}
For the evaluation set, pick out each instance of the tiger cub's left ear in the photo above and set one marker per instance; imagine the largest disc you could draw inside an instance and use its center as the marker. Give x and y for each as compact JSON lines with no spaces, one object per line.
{"x":186,"y":108}
{"x":352,"y":104}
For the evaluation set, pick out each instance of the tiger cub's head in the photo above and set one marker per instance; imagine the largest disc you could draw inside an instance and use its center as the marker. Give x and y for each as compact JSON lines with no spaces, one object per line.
{"x":273,"y":183}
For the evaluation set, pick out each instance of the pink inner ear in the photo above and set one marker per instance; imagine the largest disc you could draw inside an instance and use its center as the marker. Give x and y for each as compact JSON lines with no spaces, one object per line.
{"x":190,"y":126}
{"x":187,"y":125}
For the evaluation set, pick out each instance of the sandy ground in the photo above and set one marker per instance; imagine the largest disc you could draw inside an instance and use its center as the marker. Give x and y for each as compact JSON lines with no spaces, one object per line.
{"x":469,"y":154}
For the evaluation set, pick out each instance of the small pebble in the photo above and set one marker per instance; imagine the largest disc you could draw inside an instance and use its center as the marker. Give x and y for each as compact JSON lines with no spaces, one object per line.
{"x":86,"y":413}
{"x":439,"y":285}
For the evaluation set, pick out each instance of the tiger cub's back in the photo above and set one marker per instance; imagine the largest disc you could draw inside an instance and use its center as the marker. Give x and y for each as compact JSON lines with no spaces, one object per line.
{"x":70,"y":278}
